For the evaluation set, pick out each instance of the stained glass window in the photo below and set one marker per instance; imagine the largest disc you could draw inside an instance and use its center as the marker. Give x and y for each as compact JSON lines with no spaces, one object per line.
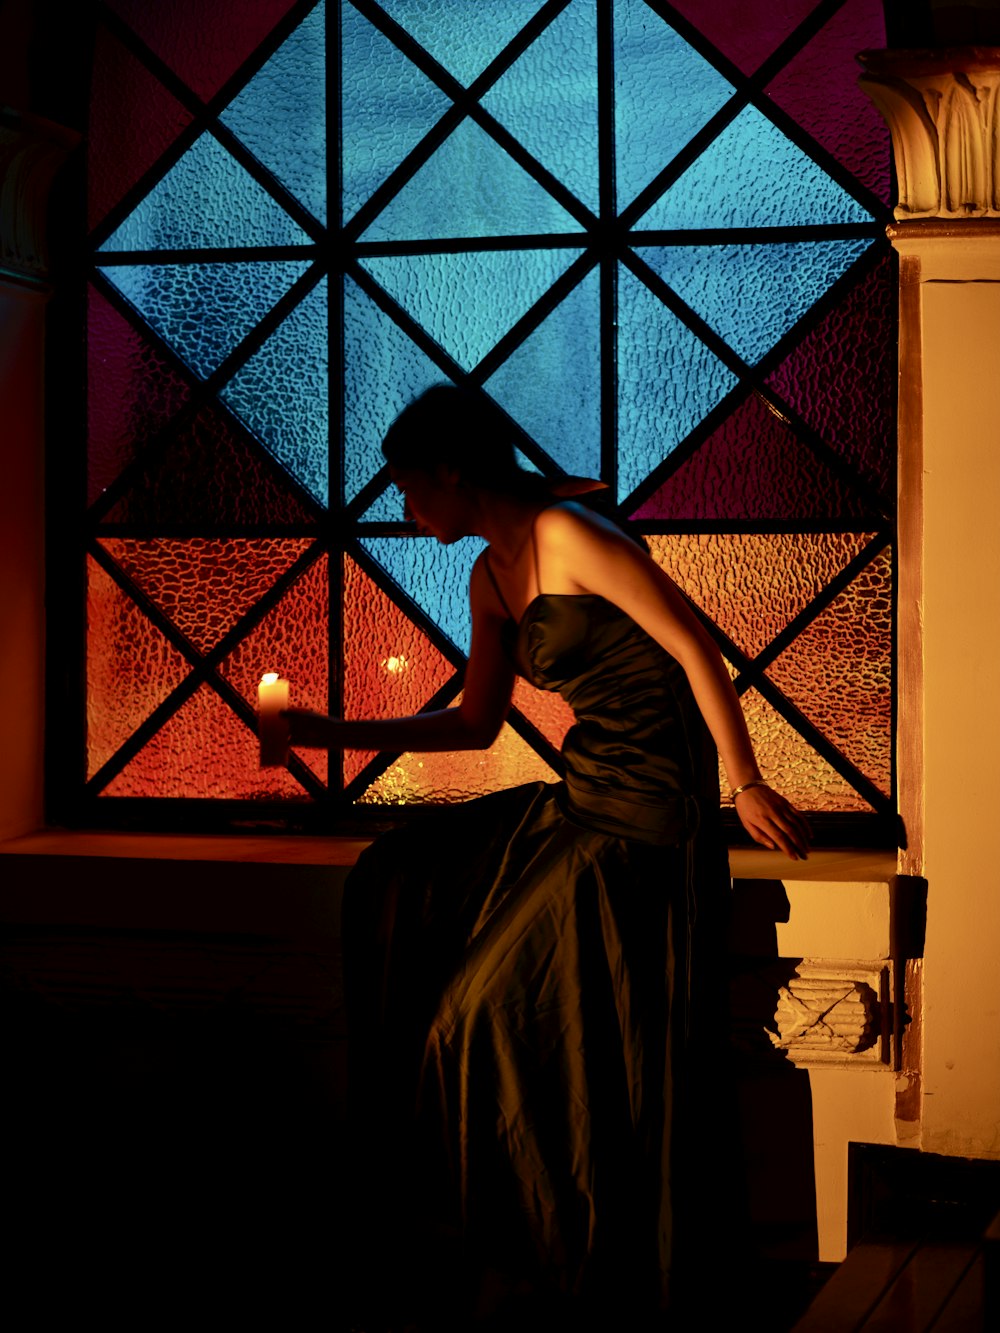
{"x":651,"y":232}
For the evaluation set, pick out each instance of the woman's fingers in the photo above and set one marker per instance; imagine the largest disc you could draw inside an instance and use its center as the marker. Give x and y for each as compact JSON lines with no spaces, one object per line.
{"x":774,"y":822}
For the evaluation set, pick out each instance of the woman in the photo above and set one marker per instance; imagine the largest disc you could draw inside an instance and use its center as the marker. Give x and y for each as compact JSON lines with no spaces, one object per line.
{"x":525,"y":972}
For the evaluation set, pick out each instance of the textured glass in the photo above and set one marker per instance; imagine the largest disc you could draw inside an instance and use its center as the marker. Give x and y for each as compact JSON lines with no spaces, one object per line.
{"x":131,"y":393}
{"x":388,"y":107}
{"x":664,"y":93}
{"x":386,"y":508}
{"x":746,"y":31}
{"x":436,"y":577}
{"x":131,"y":667}
{"x":752,"y":294}
{"x":204,"y":44}
{"x":668,"y":381}
{"x":467,"y":302}
{"x":753,"y":176}
{"x":548,"y":100}
{"x":463,"y":42}
{"x":842,"y":377}
{"x":551,"y":384}
{"x":211,"y":472}
{"x":789,"y":762}
{"x":752,"y":467}
{"x":121,"y":145}
{"x":440,"y":779}
{"x":838,"y":671}
{"x":203,"y":584}
{"x":753,"y":584}
{"x":281,"y":113}
{"x":383,"y":371}
{"x":470,"y":187}
{"x":204,"y":310}
{"x":391,"y":668}
{"x":204,"y":751}
{"x":292,"y":640}
{"x":547,"y":711}
{"x":206,"y":200}
{"x":283,"y":394}
{"x":819,"y":88}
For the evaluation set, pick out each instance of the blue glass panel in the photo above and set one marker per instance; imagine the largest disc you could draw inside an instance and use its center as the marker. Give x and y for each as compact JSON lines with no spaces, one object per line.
{"x":436,"y":577}
{"x":548,"y":100}
{"x":283,"y":395}
{"x":753,"y":294}
{"x":463,"y":42}
{"x":387,"y":508}
{"x":664,"y":93}
{"x":207,"y":199}
{"x":753,"y":176}
{"x":668,"y":381}
{"x":388,"y":107}
{"x":281,"y":113}
{"x":467,"y":302}
{"x":204,"y":310}
{"x":470,"y":187}
{"x":383,"y":371}
{"x":552,"y":384}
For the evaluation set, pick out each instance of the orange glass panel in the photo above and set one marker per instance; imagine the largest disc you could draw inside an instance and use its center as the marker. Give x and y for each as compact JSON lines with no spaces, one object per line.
{"x":838,"y":671}
{"x":131,"y":667}
{"x":204,"y":584}
{"x":547,"y":710}
{"x":292,"y":640}
{"x":203,"y":751}
{"x":753,"y":584}
{"x":391,"y":668}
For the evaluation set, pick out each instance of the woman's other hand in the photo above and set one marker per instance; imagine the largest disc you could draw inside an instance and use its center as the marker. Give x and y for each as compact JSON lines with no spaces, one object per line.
{"x":773,"y":822}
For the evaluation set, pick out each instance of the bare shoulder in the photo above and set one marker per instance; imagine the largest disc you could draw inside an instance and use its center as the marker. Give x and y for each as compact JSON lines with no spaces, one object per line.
{"x":482,"y":590}
{"x":569,"y":522}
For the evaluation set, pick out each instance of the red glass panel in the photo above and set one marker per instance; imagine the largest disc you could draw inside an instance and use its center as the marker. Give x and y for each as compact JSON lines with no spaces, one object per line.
{"x":746,"y":31}
{"x":292,"y":640}
{"x":819,"y":89}
{"x":752,"y":467}
{"x":131,"y":393}
{"x":203,"y":751}
{"x":205,"y":585}
{"x":204,"y":44}
{"x":841,"y":379}
{"x":211,"y":472}
{"x":391,"y":668}
{"x":133,"y":119}
{"x":548,"y":711}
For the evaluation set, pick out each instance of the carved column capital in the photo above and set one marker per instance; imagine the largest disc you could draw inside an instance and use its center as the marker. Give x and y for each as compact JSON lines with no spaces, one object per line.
{"x":942,"y":111}
{"x":31,"y":152}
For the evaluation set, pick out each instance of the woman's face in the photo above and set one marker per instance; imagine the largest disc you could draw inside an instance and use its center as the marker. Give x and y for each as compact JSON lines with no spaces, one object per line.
{"x":433,"y":501}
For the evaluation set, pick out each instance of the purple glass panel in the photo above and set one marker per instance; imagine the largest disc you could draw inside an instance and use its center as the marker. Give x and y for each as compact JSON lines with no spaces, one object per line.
{"x":752,"y":467}
{"x":746,"y":31}
{"x":819,"y":88}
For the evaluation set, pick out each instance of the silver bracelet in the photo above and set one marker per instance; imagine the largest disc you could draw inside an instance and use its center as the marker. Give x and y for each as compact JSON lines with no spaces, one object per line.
{"x":754,"y":782}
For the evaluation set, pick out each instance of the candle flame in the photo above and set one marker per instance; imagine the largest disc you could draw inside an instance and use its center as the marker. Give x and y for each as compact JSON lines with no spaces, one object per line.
{"x":394,"y":664}
{"x":269,"y":678}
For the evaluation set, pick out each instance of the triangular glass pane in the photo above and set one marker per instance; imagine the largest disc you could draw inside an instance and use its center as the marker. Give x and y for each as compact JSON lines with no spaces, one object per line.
{"x":207,"y":199}
{"x":751,"y":295}
{"x":204,"y":585}
{"x":467,"y":302}
{"x":283,"y":395}
{"x":383,"y":371}
{"x":664,"y":93}
{"x":281,"y":113}
{"x":545,"y":709}
{"x":391,"y":668}
{"x":436,"y":577}
{"x":747,"y":31}
{"x":752,"y":175}
{"x":838,"y":672}
{"x":386,"y":508}
{"x":548,"y":100}
{"x":753,"y":467}
{"x":203,"y":752}
{"x":741,"y":580}
{"x":203,"y":311}
{"x":551,"y":385}
{"x":668,"y":381}
{"x":460,"y":41}
{"x":376,"y":136}
{"x":470,"y":187}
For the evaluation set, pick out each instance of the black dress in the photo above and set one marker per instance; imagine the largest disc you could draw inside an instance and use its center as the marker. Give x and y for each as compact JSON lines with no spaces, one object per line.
{"x":523,"y":982}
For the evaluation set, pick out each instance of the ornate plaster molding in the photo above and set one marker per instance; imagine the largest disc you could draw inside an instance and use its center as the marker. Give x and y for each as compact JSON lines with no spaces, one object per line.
{"x":834,"y":1013}
{"x":31,"y":152}
{"x":942,"y":112}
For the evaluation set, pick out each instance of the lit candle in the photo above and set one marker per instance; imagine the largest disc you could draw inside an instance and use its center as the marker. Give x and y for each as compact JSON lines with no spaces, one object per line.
{"x":272,"y":697}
